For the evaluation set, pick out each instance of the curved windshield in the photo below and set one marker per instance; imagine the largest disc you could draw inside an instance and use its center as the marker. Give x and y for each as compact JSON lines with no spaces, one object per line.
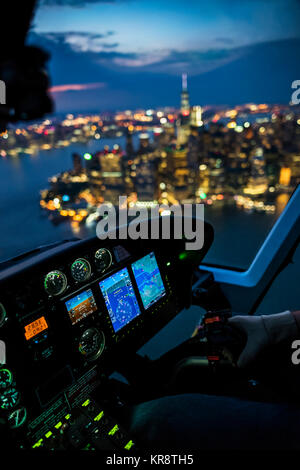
{"x":163,"y":105}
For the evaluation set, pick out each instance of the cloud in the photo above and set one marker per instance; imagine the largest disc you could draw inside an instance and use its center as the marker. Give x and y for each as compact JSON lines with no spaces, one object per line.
{"x":110,"y":46}
{"x":170,"y":61}
{"x":225,"y":41}
{"x":142,"y":60}
{"x":194,"y":62}
{"x":132,"y":80}
{"x":90,"y":55}
{"x":76,"y":87}
{"x":82,"y":41}
{"x":63,"y":36}
{"x":72,"y":3}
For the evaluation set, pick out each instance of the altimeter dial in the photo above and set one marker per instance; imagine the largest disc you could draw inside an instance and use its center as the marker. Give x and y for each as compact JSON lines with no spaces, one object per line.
{"x":92,"y":343}
{"x":55,"y":282}
{"x":81,"y":270}
{"x":6,"y":378}
{"x":103,"y":259}
{"x":9,"y":398}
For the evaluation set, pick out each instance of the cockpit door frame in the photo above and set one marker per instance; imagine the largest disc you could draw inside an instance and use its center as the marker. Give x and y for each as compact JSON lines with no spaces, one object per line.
{"x":245,"y":289}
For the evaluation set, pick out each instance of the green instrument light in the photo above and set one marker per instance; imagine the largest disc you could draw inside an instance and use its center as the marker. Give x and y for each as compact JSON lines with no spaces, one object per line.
{"x":182,"y":256}
{"x":37,"y":444}
{"x":99,"y":416}
{"x":49,"y":434}
{"x":113,"y":430}
{"x":129,"y":445}
{"x":58,"y":425}
{"x":9,"y":398}
{"x":86,"y":402}
{"x":88,"y":447}
{"x":6,"y":378}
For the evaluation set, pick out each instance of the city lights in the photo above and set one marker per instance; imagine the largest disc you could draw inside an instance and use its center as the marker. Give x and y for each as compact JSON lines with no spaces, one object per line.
{"x":166,"y":155}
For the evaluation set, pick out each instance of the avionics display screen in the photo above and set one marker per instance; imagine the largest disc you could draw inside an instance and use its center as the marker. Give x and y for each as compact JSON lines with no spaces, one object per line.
{"x":148,"y":279}
{"x":35,"y":328}
{"x":81,"y":306}
{"x":120,"y":299}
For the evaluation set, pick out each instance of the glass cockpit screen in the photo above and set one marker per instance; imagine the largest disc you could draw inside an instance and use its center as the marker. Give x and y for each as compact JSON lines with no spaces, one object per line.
{"x":120,"y":299}
{"x":148,"y":279}
{"x":81,"y":306}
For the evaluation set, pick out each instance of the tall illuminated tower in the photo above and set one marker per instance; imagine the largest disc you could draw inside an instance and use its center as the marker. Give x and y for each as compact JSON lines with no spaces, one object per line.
{"x":185,"y":104}
{"x":183,"y":121}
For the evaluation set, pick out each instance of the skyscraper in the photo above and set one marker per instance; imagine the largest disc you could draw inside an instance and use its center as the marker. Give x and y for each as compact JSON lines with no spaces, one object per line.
{"x":183,"y":121}
{"x":129,"y":143}
{"x":196,"y":116}
{"x":77,"y":163}
{"x":185,"y":103}
{"x":258,"y":181}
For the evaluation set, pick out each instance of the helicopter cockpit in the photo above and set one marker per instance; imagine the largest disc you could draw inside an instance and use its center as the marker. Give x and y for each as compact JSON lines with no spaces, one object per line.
{"x":74,"y":314}
{"x":86,"y":325}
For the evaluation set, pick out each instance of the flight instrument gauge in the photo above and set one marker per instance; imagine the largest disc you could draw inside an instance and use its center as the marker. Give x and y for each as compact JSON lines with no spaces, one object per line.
{"x":92,"y":343}
{"x":103,"y":259}
{"x":81,"y":269}
{"x":55,"y":282}
{"x":9,"y":398}
{"x":17,"y":418}
{"x":6,"y":378}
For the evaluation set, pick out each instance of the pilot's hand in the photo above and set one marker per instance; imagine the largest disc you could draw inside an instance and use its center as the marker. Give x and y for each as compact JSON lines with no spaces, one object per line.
{"x":263,"y":331}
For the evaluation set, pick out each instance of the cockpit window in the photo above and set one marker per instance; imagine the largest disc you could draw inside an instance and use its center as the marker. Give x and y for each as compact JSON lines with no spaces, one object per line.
{"x":164,"y":105}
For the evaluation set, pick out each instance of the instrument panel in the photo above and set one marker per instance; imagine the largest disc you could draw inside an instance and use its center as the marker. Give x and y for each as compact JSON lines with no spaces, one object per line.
{"x":68,"y":320}
{"x":70,"y":315}
{"x":56,"y":281}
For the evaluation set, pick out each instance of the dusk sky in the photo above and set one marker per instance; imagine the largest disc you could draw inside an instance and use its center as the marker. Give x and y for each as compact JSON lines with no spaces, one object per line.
{"x":131,"y":53}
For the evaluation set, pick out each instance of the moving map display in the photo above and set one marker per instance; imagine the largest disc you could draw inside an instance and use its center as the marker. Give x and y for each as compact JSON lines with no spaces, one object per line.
{"x":81,"y":306}
{"x":148,"y":279}
{"x":120,"y":299}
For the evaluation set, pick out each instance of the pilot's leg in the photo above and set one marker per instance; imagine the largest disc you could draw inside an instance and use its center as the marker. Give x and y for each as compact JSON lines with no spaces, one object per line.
{"x":213,"y":422}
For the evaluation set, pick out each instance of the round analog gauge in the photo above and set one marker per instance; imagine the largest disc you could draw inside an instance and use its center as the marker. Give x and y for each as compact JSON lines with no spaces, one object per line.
{"x":55,"y":283}
{"x":92,"y":343}
{"x":2,"y":315}
{"x":103,"y":259}
{"x":9,"y":398}
{"x":17,"y":418}
{"x":6,"y":378}
{"x":81,"y":270}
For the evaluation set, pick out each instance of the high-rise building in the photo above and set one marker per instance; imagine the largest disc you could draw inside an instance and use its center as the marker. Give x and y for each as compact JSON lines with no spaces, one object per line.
{"x":144,"y":143}
{"x":111,"y":172}
{"x":196,"y":116}
{"x":145,"y":180}
{"x":185,"y":103}
{"x":129,"y":143}
{"x":77,"y":163}
{"x":183,"y":122}
{"x":258,"y":181}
